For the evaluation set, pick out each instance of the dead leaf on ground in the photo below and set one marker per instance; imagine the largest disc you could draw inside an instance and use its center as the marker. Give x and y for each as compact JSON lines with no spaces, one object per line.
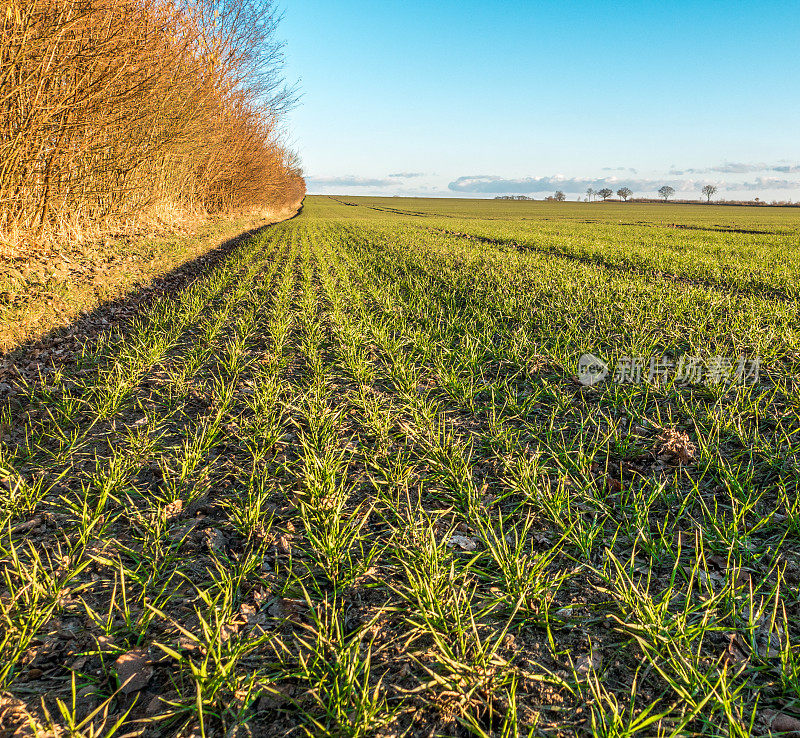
{"x":288,"y":608}
{"x":106,"y":643}
{"x":465,"y":543}
{"x":780,"y":722}
{"x":133,"y":670}
{"x":215,"y":540}
{"x":275,"y":696}
{"x":251,"y":617}
{"x":736,"y":653}
{"x":173,"y":510}
{"x":228,"y":630}
{"x":588,"y":662}
{"x":155,"y":706}
{"x":675,"y":446}
{"x":734,"y":574}
{"x":284,"y":544}
{"x":16,"y":721}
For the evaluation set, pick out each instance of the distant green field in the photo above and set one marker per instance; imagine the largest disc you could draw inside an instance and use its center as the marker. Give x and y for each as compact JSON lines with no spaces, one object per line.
{"x":356,"y":482}
{"x":728,"y":244}
{"x":724,"y":216}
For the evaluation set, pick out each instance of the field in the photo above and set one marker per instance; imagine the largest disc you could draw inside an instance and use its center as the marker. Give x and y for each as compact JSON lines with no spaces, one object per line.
{"x":346,"y":482}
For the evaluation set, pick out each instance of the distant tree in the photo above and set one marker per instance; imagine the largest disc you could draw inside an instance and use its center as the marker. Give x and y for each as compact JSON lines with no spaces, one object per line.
{"x":666,"y":192}
{"x":560,"y":196}
{"x":605,"y":193}
{"x":590,"y":193}
{"x":708,"y":191}
{"x":624,"y":193}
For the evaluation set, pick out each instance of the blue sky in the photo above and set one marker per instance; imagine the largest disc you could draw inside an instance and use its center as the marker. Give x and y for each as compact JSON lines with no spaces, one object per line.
{"x":474,"y":99}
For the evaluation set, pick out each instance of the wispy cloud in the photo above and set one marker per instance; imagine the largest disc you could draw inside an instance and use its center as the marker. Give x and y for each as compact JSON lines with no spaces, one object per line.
{"x":620,"y":169}
{"x":765,"y":183}
{"x":493,"y":185}
{"x":348,"y":181}
{"x":407,"y":175}
{"x":740,"y":168}
{"x":498,"y":185}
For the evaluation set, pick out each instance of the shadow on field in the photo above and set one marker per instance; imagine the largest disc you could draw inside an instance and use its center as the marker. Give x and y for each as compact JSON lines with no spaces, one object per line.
{"x":756,"y":287}
{"x":60,"y":347}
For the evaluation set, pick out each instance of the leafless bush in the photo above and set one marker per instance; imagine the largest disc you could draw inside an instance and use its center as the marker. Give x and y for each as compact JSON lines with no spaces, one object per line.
{"x":110,"y":109}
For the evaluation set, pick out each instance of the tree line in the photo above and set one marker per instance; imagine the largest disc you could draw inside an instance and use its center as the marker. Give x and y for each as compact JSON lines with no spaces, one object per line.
{"x":110,"y":109}
{"x":625,"y":193}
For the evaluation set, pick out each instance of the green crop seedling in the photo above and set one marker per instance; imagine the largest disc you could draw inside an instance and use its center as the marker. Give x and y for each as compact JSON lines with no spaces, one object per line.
{"x":350,"y":483}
